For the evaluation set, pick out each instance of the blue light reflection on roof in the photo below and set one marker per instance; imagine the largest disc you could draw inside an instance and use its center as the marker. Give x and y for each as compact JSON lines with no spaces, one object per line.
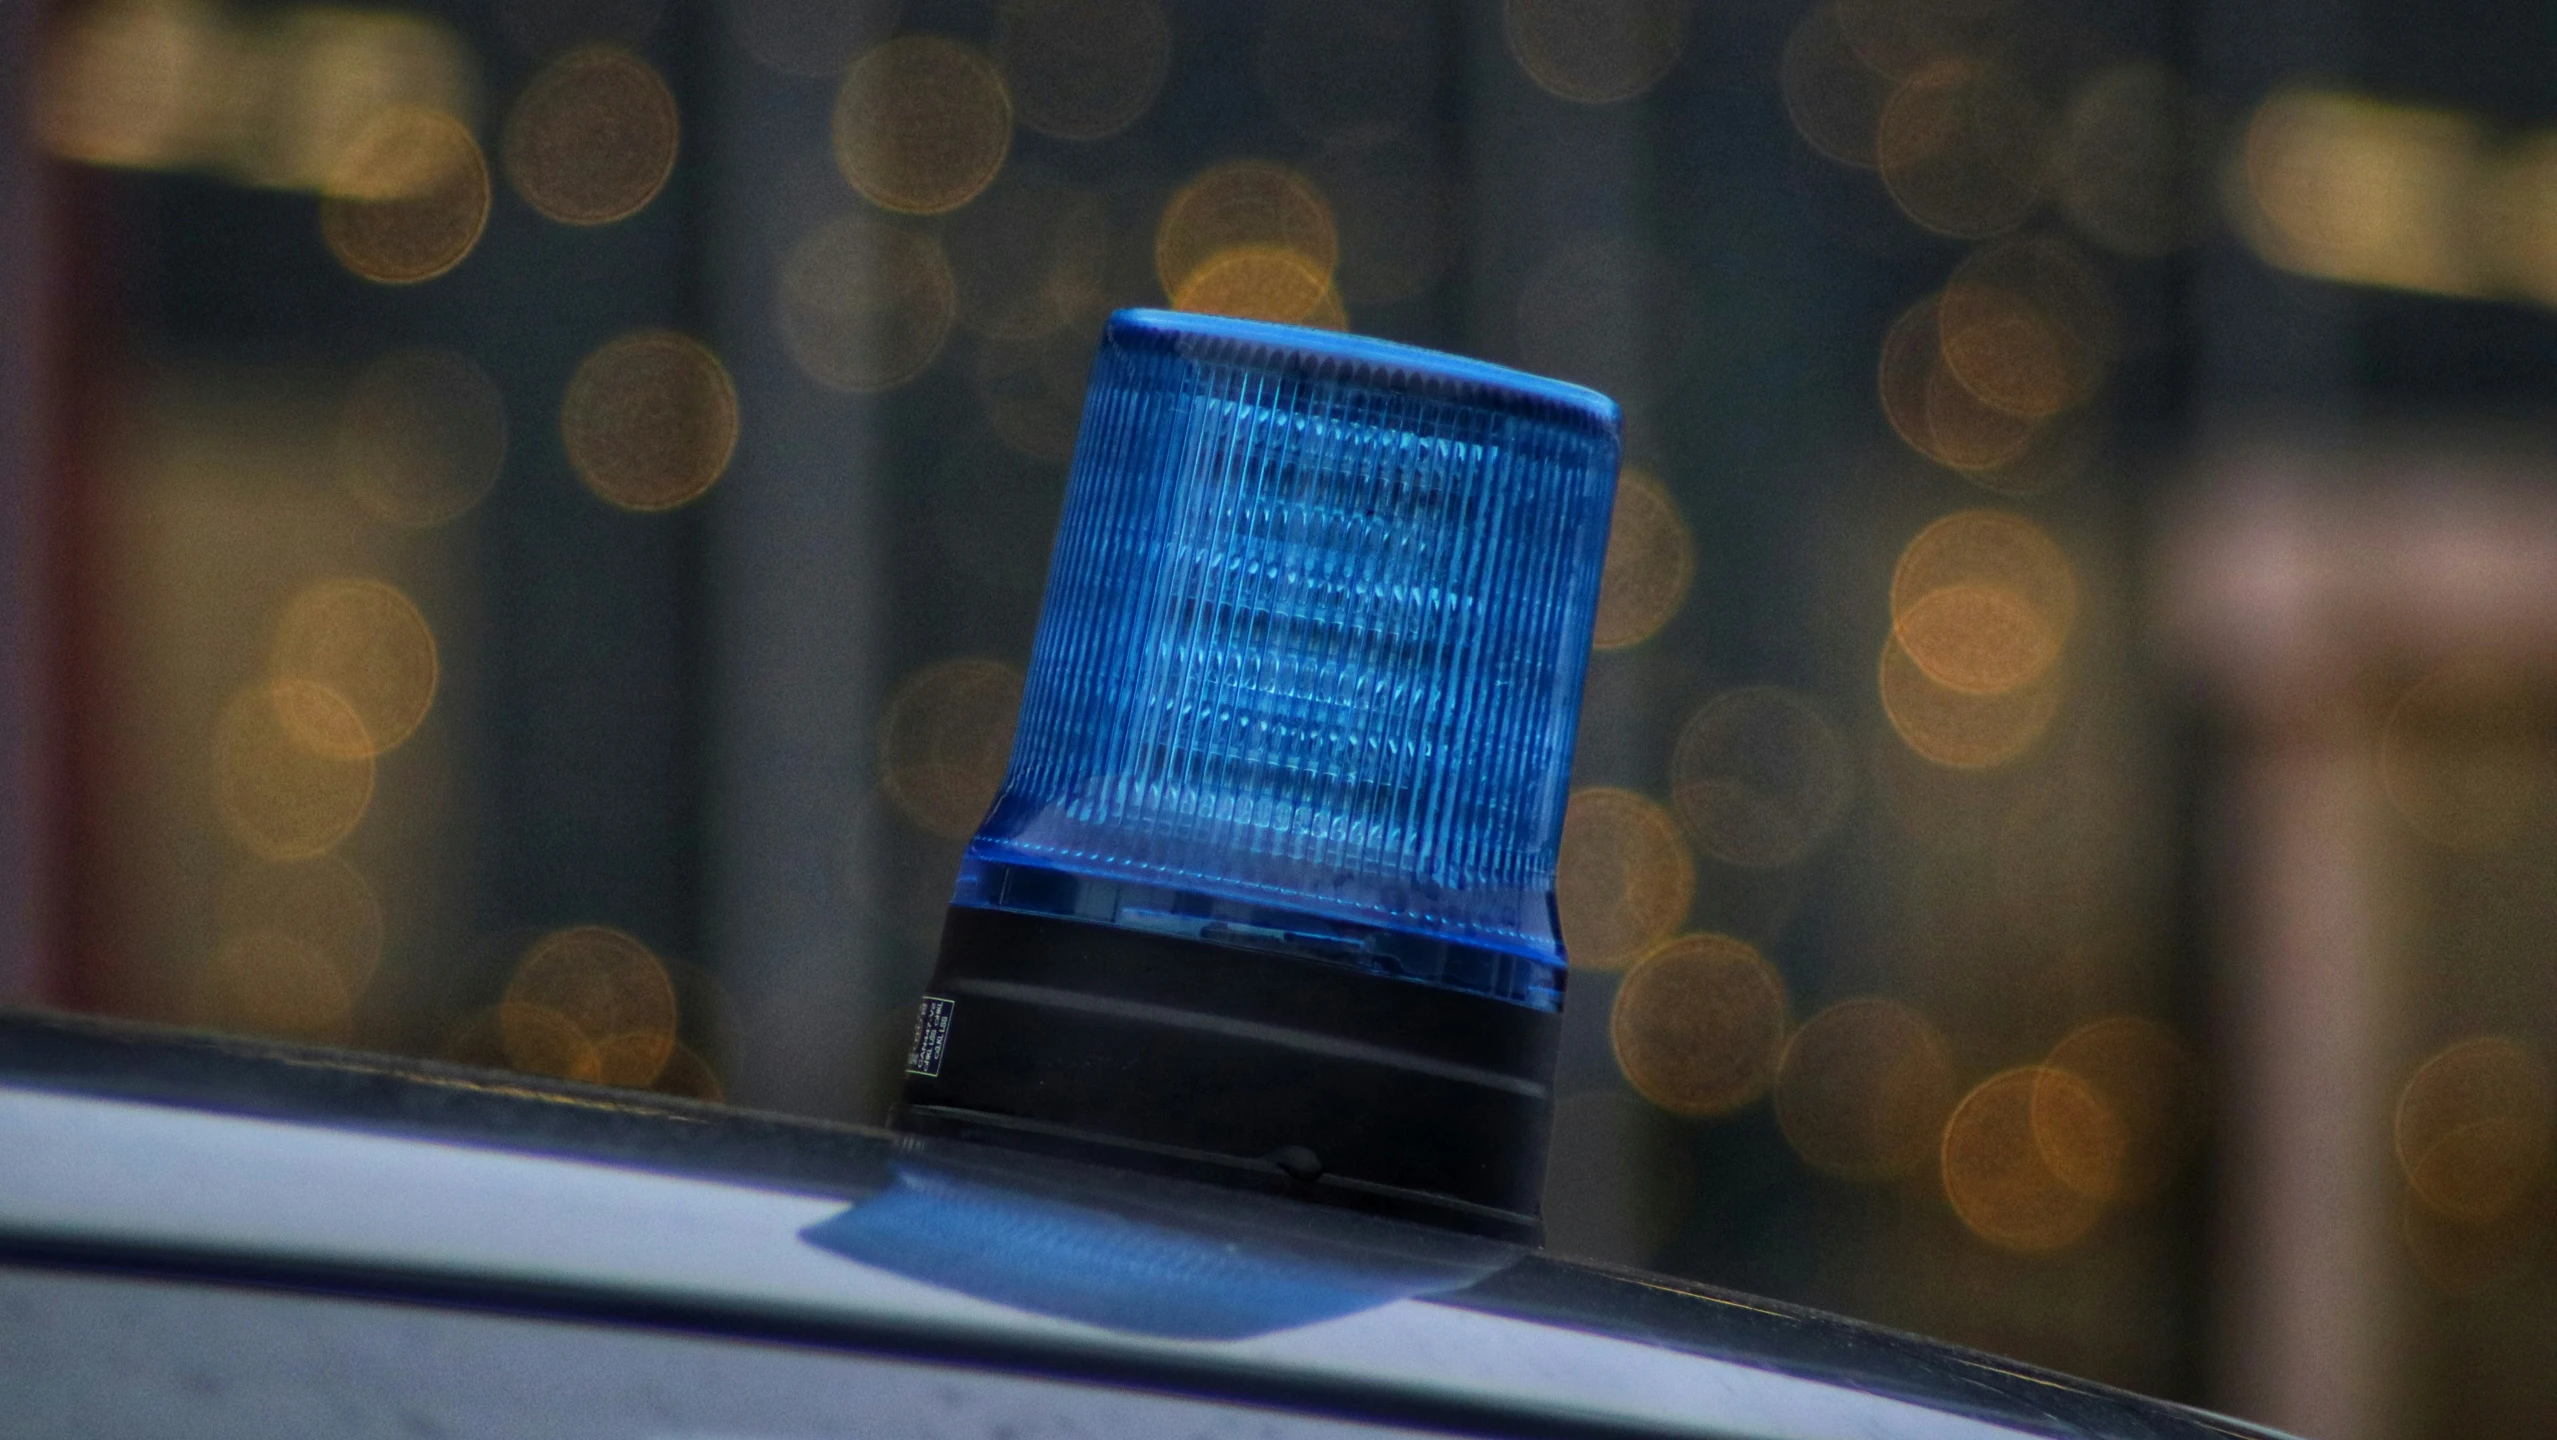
{"x":1051,"y":1256}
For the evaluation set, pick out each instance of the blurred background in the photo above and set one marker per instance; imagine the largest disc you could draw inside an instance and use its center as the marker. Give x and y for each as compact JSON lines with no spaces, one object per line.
{"x":523,"y":522}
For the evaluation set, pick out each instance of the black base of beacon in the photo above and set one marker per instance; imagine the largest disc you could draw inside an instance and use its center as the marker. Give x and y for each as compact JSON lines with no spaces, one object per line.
{"x":1270,"y":1072}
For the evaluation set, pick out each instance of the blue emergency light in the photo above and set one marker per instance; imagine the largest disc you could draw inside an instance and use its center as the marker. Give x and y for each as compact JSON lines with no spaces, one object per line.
{"x":1267,"y":891}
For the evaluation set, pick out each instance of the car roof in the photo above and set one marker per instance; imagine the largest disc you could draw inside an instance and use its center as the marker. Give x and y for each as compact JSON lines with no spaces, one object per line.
{"x":133,"y":1148}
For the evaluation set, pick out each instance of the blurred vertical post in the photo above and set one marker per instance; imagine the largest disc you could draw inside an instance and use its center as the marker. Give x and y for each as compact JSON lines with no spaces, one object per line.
{"x":800,"y":561}
{"x":1560,"y":206}
{"x":2305,"y":1197}
{"x":24,"y":221}
{"x":2308,"y":1338}
{"x":2304,"y":1334}
{"x":2306,"y":578}
{"x":1566,"y":177}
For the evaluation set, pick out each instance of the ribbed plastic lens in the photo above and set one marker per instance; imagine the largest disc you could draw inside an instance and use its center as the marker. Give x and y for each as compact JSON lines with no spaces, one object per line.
{"x":1311,"y":657}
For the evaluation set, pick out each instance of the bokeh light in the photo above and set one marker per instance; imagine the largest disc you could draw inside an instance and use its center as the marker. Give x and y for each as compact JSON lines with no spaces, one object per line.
{"x":420,"y":437}
{"x":2472,"y":1128}
{"x":2082,"y":1141}
{"x":2465,"y":755}
{"x":268,"y":982}
{"x":408,"y":199}
{"x":547,"y":1038}
{"x":2023,"y":1185}
{"x":320,"y":904}
{"x":626,"y":1058}
{"x":2345,"y":188}
{"x":1979,"y":639}
{"x":1761,"y":777}
{"x":650,"y":420}
{"x":1967,"y":432}
{"x":1933,"y":413}
{"x":279,"y":797}
{"x":1082,"y":69}
{"x":589,"y":1003}
{"x":1651,"y":558}
{"x":815,"y":39}
{"x":276,"y":100}
{"x":2132,"y":162}
{"x":864,"y":303}
{"x":1349,"y":73}
{"x":536,"y":1040}
{"x":592,"y":138}
{"x":541,"y":1041}
{"x":1623,"y":882}
{"x":1900,"y":38}
{"x":1958,"y":728}
{"x":1243,"y":205}
{"x":2147,"y":1084}
{"x":123,"y":84}
{"x":1699,"y":1024}
{"x":1595,"y":52}
{"x":1963,"y":149}
{"x":2516,"y":216}
{"x":1834,"y":98}
{"x":688,"y":1075}
{"x":1983,"y":601}
{"x":327,"y":74}
{"x":409,"y":153}
{"x":922,"y":124}
{"x":320,"y":720}
{"x":2058,"y":451}
{"x":2026,"y":326}
{"x":1262,"y":282}
{"x":945,"y":740}
{"x":1030,"y":255}
{"x":365,"y":644}
{"x":1863,"y":1090}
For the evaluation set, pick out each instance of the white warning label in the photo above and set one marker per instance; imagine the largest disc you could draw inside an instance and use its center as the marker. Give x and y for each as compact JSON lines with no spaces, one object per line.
{"x":931,"y":1036}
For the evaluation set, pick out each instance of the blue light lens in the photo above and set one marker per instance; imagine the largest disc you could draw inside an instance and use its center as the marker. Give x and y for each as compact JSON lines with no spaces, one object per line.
{"x":1310,"y":662}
